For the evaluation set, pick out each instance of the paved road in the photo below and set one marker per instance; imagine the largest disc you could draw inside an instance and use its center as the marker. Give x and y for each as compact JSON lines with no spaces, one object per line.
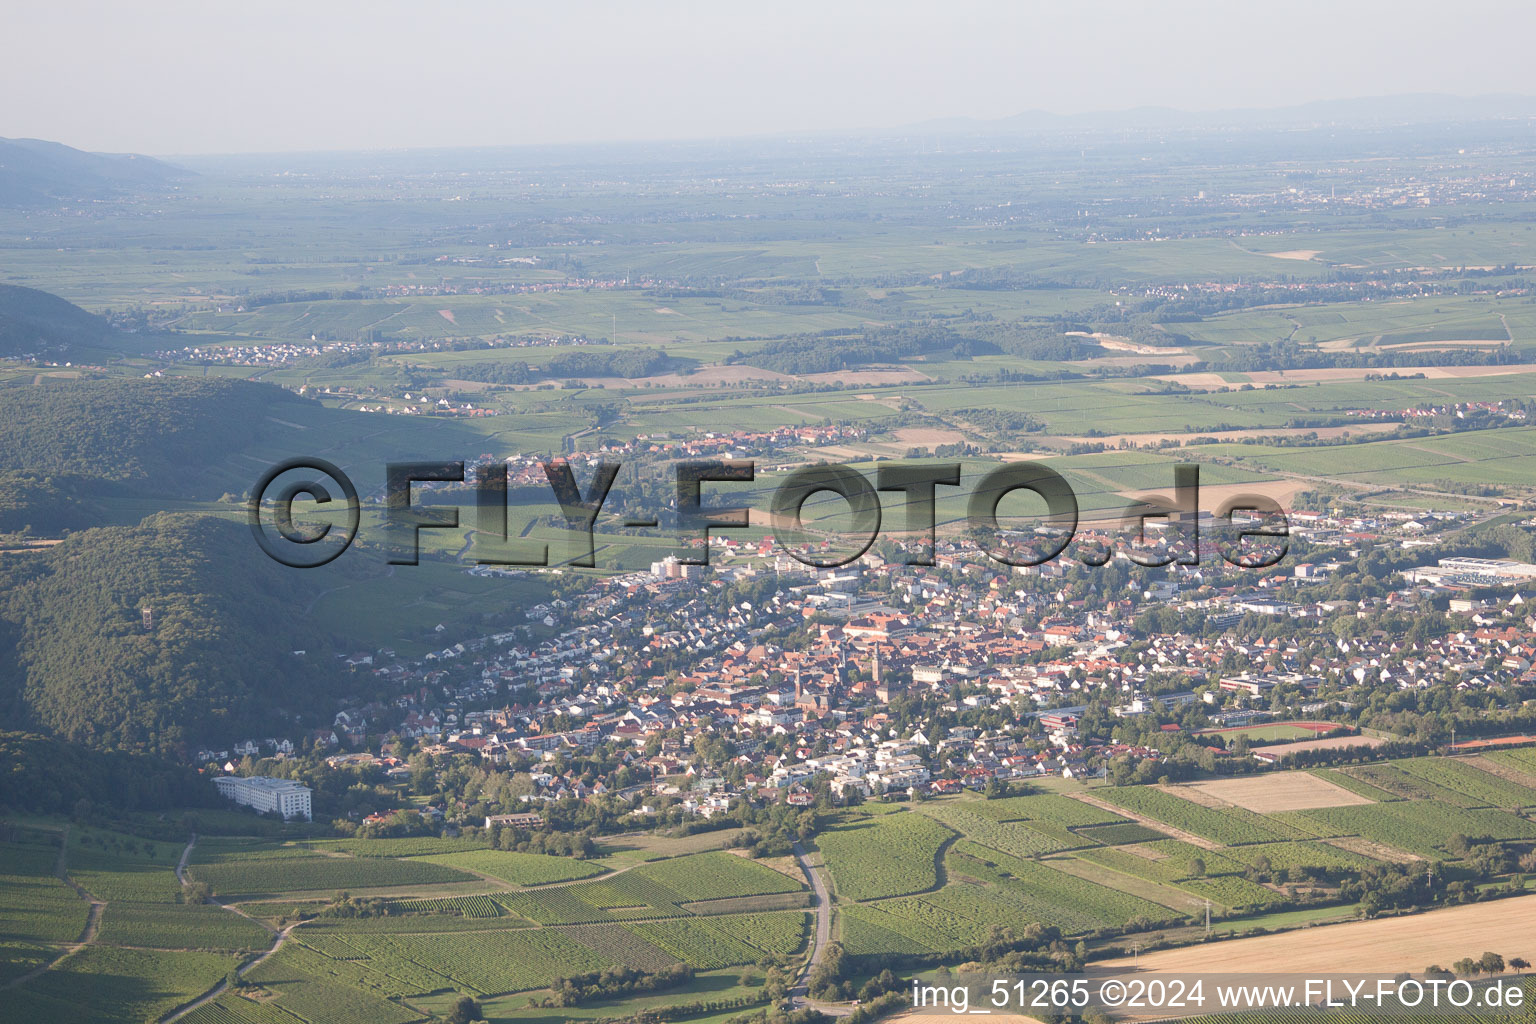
{"x":819,"y":944}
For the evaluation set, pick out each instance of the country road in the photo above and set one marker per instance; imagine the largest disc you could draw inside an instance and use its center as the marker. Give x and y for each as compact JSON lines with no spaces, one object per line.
{"x":213,"y":993}
{"x":819,"y":942}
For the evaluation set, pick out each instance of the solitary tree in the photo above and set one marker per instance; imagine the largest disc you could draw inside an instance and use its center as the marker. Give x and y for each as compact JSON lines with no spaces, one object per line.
{"x":465,"y":1009}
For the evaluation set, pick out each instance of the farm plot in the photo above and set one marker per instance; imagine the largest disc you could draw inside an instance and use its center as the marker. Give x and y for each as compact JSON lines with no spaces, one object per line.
{"x":1406,"y":786}
{"x":490,"y":961}
{"x":1382,"y":946}
{"x":108,"y":985}
{"x":1171,"y":860}
{"x":178,"y":926}
{"x":1359,"y":787}
{"x":376,"y":970}
{"x":304,"y":874}
{"x":552,"y":906}
{"x":35,"y":905}
{"x":18,"y":958}
{"x":1052,"y":807}
{"x":621,"y":945}
{"x":1230,"y":826}
{"x":233,"y":1009}
{"x":1419,"y":827}
{"x":703,"y":944}
{"x":516,"y":868}
{"x":1302,"y":855}
{"x":1068,"y":894}
{"x":868,"y":929}
{"x":1016,"y":837}
{"x":751,"y":904}
{"x":781,"y":934}
{"x":117,"y":876}
{"x":453,"y":906}
{"x":630,"y":895}
{"x":1523,"y":760}
{"x":891,"y":855}
{"x":1232,"y":891}
{"x":410,"y":846}
{"x":1279,"y":791}
{"x":956,"y":917}
{"x":711,"y":876}
{"x":1117,"y":835}
{"x":327,"y":1002}
{"x":222,"y":850}
{"x":1484,"y":787}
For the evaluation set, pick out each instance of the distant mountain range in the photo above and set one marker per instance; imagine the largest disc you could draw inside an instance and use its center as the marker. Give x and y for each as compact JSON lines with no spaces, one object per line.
{"x":38,"y":173}
{"x":1367,"y":112}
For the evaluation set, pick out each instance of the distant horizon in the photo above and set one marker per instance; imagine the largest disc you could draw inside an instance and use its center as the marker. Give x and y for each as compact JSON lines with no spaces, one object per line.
{"x":948,"y":124}
{"x":169,"y":77}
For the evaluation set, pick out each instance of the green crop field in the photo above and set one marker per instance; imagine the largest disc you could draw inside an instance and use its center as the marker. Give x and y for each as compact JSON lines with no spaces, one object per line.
{"x":711,"y":876}
{"x":484,"y":961}
{"x":1039,"y":882}
{"x":621,"y":945}
{"x":1052,"y":807}
{"x":1522,"y":760}
{"x":116,"y":986}
{"x":703,"y":943}
{"x":1407,"y":785}
{"x":454,"y":906}
{"x":233,"y":1009}
{"x":1020,"y":838}
{"x":121,"y":876}
{"x":414,"y":846}
{"x":1421,"y":827}
{"x":1359,"y":787}
{"x":887,"y":856}
{"x":1231,"y":826}
{"x":1118,"y":834}
{"x":1301,"y":855}
{"x":35,"y":904}
{"x":1483,"y":787}
{"x":179,"y":926}
{"x":1165,"y":860}
{"x":1232,"y":891}
{"x":263,"y":875}
{"x":516,"y":868}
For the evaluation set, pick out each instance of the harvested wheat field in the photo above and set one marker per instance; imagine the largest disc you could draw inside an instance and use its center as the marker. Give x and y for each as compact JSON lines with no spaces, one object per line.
{"x":1384,"y":946}
{"x":929,"y":436}
{"x":1281,"y":791}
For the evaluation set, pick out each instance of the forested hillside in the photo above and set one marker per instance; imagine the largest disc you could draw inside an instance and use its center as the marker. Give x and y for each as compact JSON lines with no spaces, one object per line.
{"x":128,"y":428}
{"x":216,"y":660}
{"x":36,"y":323}
{"x":45,"y":775}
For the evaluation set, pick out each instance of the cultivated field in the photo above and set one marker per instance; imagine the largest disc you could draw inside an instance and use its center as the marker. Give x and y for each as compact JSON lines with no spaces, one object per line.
{"x":1386,"y":946}
{"x":1284,"y":791}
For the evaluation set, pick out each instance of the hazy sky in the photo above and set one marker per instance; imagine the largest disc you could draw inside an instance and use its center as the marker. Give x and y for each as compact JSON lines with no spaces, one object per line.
{"x":200,"y":77}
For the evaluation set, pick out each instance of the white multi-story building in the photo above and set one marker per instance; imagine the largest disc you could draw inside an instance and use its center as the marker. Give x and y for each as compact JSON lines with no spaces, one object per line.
{"x":286,"y":797}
